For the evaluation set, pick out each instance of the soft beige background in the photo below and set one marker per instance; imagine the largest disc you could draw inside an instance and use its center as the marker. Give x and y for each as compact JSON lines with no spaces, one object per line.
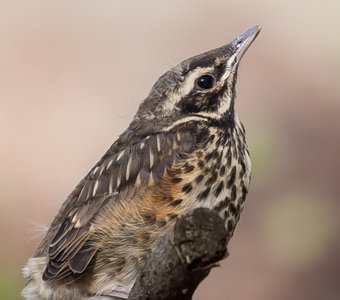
{"x":72,"y":74}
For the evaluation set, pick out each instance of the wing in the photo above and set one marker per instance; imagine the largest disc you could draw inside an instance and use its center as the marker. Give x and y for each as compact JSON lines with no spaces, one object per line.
{"x":115,"y":177}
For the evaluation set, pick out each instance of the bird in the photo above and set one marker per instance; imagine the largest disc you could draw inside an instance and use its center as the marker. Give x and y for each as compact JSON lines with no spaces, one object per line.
{"x":185,"y":148}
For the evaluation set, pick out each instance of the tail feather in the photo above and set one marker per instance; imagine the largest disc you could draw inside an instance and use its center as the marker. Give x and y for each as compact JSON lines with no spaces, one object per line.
{"x":38,"y":289}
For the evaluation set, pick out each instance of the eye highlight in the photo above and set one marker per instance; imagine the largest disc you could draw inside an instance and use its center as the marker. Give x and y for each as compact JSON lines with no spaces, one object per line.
{"x":205,"y":82}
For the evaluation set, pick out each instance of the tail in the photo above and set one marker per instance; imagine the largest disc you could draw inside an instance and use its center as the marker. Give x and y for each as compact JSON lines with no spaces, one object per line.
{"x":38,"y":289}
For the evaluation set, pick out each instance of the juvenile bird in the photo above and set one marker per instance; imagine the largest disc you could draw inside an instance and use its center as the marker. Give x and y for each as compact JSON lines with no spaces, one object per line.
{"x":185,"y":148}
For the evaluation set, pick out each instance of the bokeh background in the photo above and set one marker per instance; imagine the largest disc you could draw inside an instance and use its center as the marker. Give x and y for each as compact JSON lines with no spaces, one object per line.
{"x":72,"y":74}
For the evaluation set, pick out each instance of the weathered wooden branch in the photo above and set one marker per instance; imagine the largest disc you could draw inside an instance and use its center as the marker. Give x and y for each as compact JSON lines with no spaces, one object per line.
{"x":183,"y":258}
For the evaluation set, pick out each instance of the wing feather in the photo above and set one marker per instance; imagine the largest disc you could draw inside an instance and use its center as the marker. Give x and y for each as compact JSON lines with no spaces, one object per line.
{"x":70,"y":248}
{"x":79,"y":262}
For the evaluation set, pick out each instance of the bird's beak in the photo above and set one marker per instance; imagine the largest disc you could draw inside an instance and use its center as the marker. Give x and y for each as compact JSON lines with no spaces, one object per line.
{"x":239,"y":46}
{"x":242,"y":42}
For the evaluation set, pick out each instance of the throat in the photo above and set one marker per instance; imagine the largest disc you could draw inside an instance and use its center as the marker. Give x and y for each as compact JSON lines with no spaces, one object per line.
{"x":224,"y":121}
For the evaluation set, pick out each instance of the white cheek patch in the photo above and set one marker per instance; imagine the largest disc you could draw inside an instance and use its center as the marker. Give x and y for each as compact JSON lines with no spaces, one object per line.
{"x":186,"y":87}
{"x":224,"y":104}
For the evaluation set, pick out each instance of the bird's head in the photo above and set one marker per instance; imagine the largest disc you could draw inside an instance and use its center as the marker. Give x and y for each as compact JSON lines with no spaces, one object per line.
{"x":201,"y":86}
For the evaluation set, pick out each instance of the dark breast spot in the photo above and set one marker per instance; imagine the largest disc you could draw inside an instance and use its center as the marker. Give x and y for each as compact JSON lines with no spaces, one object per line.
{"x":223,"y":204}
{"x":243,"y":166}
{"x":148,"y":217}
{"x":172,"y":216}
{"x":233,"y":209}
{"x":187,"y":188}
{"x":215,"y":154}
{"x":176,"y":202}
{"x":219,"y":159}
{"x":199,"y":154}
{"x":176,"y":180}
{"x":212,"y":179}
{"x":160,"y":223}
{"x":219,"y":189}
{"x":230,"y":226}
{"x":203,"y":195}
{"x":211,"y":155}
{"x":201,"y":164}
{"x":244,"y":191}
{"x":187,"y":168}
{"x":226,"y":214}
{"x":222,"y":171}
{"x":232,"y":176}
{"x":145,"y":237}
{"x":233,"y":193}
{"x":199,"y":178}
{"x":229,"y":157}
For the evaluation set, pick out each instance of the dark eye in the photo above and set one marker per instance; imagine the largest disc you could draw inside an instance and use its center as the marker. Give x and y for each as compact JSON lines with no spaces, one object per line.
{"x":205,"y":82}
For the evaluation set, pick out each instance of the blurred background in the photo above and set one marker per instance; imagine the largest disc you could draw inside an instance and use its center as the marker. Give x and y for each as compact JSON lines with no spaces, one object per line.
{"x":72,"y":74}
